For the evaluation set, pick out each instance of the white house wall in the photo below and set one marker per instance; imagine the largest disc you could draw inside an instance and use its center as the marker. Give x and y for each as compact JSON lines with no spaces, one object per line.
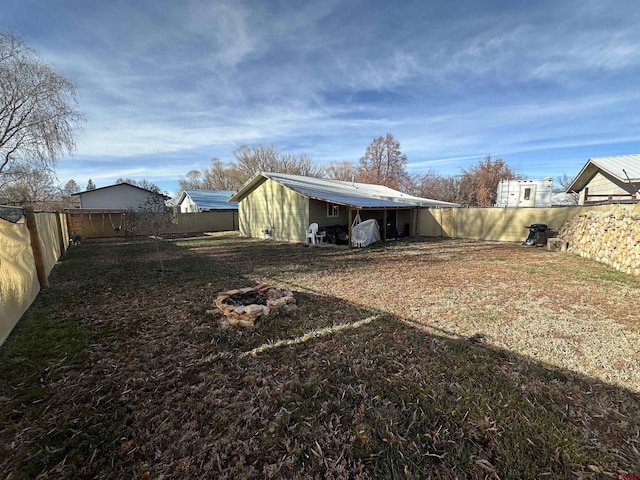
{"x":121,"y":196}
{"x":188,"y":205}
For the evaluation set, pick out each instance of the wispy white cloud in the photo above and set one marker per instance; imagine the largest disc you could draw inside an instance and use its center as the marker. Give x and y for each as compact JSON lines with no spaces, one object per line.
{"x":183,"y":82}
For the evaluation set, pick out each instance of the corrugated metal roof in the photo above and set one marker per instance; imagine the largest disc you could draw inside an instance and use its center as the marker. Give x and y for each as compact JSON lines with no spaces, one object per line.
{"x":359,"y":195}
{"x":615,"y":165}
{"x":212,"y":199}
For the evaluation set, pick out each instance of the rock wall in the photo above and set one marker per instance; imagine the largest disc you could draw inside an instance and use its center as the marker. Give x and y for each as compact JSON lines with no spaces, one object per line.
{"x":608,"y":237}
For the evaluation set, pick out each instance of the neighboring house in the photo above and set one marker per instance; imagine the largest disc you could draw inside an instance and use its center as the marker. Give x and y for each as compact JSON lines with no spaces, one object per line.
{"x":121,"y":196}
{"x":611,"y":179}
{"x":192,"y":200}
{"x":525,"y":193}
{"x":280,"y":206}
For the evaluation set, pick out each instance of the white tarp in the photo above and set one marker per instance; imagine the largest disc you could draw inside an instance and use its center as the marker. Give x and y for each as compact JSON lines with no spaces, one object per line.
{"x":365,"y":233}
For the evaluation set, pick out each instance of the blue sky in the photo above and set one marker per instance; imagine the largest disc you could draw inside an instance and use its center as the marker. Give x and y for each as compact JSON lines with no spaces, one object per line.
{"x":168,"y":85}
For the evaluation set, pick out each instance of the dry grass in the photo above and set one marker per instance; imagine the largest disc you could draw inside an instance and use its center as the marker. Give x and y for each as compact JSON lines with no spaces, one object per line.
{"x":422,"y":359}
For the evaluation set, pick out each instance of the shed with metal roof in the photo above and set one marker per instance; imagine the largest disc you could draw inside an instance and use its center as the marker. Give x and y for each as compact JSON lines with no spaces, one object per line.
{"x":612,"y":179}
{"x":196,"y":200}
{"x":282,"y":206}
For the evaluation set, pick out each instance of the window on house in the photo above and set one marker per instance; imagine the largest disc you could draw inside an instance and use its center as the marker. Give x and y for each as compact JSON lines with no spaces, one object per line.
{"x":332,"y":210}
{"x":527,"y":194}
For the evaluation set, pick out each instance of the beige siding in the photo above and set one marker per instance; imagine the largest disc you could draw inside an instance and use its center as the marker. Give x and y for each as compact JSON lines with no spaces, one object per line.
{"x":500,"y":224}
{"x":601,"y":185}
{"x":281,"y":211}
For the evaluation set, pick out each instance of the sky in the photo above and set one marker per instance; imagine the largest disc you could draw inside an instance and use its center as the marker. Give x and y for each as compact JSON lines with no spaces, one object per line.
{"x":167,"y":85}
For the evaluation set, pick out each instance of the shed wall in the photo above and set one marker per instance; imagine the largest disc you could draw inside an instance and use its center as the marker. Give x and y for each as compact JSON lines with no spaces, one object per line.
{"x":273,"y":207}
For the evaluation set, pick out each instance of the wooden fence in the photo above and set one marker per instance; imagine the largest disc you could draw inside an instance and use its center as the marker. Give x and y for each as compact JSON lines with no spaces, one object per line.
{"x":30,"y":246}
{"x":104,"y":223}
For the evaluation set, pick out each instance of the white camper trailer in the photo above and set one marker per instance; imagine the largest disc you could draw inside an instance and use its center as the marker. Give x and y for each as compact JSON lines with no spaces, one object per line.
{"x":525,"y":193}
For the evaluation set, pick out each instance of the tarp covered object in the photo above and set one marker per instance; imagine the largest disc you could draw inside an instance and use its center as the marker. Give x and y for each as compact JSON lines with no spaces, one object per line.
{"x":365,"y":233}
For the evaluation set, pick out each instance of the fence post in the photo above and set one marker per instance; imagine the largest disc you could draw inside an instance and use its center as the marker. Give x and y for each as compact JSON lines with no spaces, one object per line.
{"x":36,"y":247}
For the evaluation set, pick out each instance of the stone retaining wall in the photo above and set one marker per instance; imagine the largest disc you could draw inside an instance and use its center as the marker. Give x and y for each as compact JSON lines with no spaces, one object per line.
{"x":608,"y":237}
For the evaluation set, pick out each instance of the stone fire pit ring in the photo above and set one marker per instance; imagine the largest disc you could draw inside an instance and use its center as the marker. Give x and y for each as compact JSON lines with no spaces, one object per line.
{"x":247,"y":306}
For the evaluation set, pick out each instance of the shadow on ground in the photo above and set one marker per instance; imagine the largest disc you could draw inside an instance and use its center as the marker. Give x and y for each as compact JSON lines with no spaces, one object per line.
{"x":150,"y":382}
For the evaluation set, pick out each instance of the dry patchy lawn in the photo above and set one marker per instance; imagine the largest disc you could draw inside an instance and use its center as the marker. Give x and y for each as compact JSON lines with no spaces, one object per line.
{"x":416,"y":359}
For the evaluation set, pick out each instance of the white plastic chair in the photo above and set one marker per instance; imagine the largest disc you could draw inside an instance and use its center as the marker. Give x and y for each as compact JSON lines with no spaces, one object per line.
{"x":359,"y":238}
{"x":312,"y":232}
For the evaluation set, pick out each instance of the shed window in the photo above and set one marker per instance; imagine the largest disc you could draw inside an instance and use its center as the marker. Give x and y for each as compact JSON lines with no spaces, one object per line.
{"x":527,"y":194}
{"x":333,"y":210}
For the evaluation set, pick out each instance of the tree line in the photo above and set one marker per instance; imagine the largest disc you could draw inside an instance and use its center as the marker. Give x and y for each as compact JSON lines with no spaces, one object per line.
{"x":383,"y":163}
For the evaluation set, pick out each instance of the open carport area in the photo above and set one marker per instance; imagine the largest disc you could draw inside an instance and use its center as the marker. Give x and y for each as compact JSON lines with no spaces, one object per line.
{"x":407,"y":359}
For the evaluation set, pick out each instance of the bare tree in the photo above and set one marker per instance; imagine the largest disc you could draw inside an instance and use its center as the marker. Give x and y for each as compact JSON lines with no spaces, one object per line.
{"x":222,"y":176}
{"x":479,"y":183}
{"x":70,"y":188}
{"x":343,"y":170}
{"x":31,"y":185}
{"x":218,"y":176}
{"x":439,"y":187}
{"x":192,"y":180}
{"x":564,"y":181}
{"x":154,"y":220}
{"x":383,"y":163}
{"x":144,"y":183}
{"x":249,"y":161}
{"x":38,"y":110}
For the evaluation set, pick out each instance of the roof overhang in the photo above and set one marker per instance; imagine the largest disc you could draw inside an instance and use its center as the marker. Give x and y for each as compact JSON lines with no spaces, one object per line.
{"x":247,"y":187}
{"x":584,"y":177}
{"x":604,"y":165}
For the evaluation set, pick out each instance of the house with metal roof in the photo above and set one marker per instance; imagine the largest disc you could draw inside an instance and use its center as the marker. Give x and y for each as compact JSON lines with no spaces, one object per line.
{"x":613,"y":179}
{"x":195,"y":200}
{"x":282,"y":206}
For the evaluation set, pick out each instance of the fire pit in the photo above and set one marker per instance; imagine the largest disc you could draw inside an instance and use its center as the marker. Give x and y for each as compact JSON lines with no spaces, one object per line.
{"x":247,"y":306}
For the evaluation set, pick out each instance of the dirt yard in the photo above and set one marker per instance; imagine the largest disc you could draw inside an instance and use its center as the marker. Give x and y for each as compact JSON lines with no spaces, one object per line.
{"x":412,"y":359}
